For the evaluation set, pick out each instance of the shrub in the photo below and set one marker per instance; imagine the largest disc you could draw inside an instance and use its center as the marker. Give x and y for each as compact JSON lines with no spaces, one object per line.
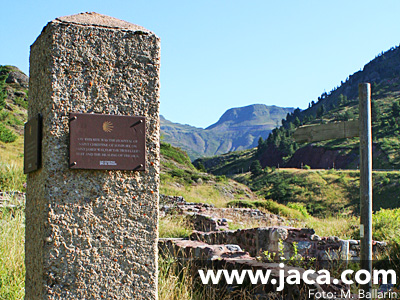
{"x":21,"y":102}
{"x":221,"y":178}
{"x":3,"y":115}
{"x":201,"y":167}
{"x":3,"y":76}
{"x":13,"y":120}
{"x":299,"y":207}
{"x":280,"y":209}
{"x":386,"y":224}
{"x":2,"y":99}
{"x":241,"y":203}
{"x":175,"y":154}
{"x":6,"y":135}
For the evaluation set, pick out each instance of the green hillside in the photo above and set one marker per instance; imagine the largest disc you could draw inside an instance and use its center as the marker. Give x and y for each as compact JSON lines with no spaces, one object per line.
{"x":331,"y":191}
{"x":323,"y":192}
{"x":180,"y":177}
{"x":341,"y":104}
{"x":13,"y":102}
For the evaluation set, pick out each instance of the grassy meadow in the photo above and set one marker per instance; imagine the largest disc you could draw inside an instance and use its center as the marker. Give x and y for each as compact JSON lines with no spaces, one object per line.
{"x":323,"y":192}
{"x":325,"y":200}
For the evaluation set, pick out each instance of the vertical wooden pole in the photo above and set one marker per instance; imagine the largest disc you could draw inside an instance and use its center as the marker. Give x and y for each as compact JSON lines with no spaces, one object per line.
{"x":364,"y":91}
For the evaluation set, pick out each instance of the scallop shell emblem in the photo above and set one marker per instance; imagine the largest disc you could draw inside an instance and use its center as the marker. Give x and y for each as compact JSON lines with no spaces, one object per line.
{"x":108,"y":126}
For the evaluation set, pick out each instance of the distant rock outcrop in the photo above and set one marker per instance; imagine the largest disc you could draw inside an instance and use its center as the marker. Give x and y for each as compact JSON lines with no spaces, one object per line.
{"x":18,"y":77}
{"x":13,"y":102}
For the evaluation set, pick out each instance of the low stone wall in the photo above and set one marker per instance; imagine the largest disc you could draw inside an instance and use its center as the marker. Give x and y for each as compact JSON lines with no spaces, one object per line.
{"x":212,"y":227}
{"x":170,"y":200}
{"x":184,"y":248}
{"x":206,"y":223}
{"x":282,"y":240}
{"x":206,"y":217}
{"x":204,"y":256}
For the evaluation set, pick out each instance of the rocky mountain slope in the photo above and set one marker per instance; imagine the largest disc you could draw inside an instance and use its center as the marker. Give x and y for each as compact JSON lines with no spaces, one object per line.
{"x":13,"y":102}
{"x":340,"y":104}
{"x":237,"y":129}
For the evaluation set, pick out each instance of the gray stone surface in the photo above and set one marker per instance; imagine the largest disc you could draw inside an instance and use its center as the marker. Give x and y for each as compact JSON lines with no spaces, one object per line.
{"x":92,"y":234}
{"x":95,"y":19}
{"x":17,"y":77}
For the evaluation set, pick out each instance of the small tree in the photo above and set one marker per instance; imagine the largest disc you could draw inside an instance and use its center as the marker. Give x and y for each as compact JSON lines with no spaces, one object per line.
{"x":375,"y":111}
{"x":262,"y":145}
{"x":348,"y":115}
{"x":342,"y":100}
{"x":320,"y":111}
{"x":395,"y":109}
{"x":297,"y":122}
{"x":255,"y":168}
{"x":201,"y":167}
{"x":260,"y":142}
{"x":6,"y":135}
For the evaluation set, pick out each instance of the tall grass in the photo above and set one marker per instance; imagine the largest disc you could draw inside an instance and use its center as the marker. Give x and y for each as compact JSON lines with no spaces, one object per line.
{"x":177,"y":280}
{"x":12,"y":267}
{"x":12,"y":177}
{"x":344,"y":227}
{"x":273,"y":207}
{"x":12,"y":152}
{"x":174,"y":281}
{"x":174,"y":226}
{"x":386,"y":227}
{"x":386,"y":224}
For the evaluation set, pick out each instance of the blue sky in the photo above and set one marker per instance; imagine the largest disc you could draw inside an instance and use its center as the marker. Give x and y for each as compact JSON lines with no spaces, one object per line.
{"x":221,"y":54}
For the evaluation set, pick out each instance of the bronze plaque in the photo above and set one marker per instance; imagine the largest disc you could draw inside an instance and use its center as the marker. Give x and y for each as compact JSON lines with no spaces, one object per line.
{"x":107,"y":142}
{"x":33,"y":144}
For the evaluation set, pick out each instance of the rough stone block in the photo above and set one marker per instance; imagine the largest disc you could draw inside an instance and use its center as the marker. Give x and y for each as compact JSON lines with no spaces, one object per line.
{"x":92,"y":234}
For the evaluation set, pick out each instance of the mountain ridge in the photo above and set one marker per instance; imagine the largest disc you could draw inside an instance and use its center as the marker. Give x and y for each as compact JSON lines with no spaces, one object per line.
{"x":340,"y":104}
{"x":238,"y":128}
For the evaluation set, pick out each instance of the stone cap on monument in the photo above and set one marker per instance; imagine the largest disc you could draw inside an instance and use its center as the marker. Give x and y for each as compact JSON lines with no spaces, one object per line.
{"x":95,"y":19}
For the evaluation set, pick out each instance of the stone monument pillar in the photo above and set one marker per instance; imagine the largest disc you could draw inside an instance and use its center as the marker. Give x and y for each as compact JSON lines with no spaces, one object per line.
{"x":92,"y":233}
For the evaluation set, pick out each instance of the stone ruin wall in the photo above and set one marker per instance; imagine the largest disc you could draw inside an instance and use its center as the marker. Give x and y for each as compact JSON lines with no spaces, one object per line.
{"x":212,"y":229}
{"x":257,"y":240}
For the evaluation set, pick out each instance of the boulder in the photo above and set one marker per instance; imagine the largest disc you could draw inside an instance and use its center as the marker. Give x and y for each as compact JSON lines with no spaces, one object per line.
{"x":18,"y":77}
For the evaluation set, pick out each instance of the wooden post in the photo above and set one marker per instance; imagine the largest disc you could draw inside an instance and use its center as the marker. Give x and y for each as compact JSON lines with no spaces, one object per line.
{"x":349,"y":129}
{"x":364,"y":91}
